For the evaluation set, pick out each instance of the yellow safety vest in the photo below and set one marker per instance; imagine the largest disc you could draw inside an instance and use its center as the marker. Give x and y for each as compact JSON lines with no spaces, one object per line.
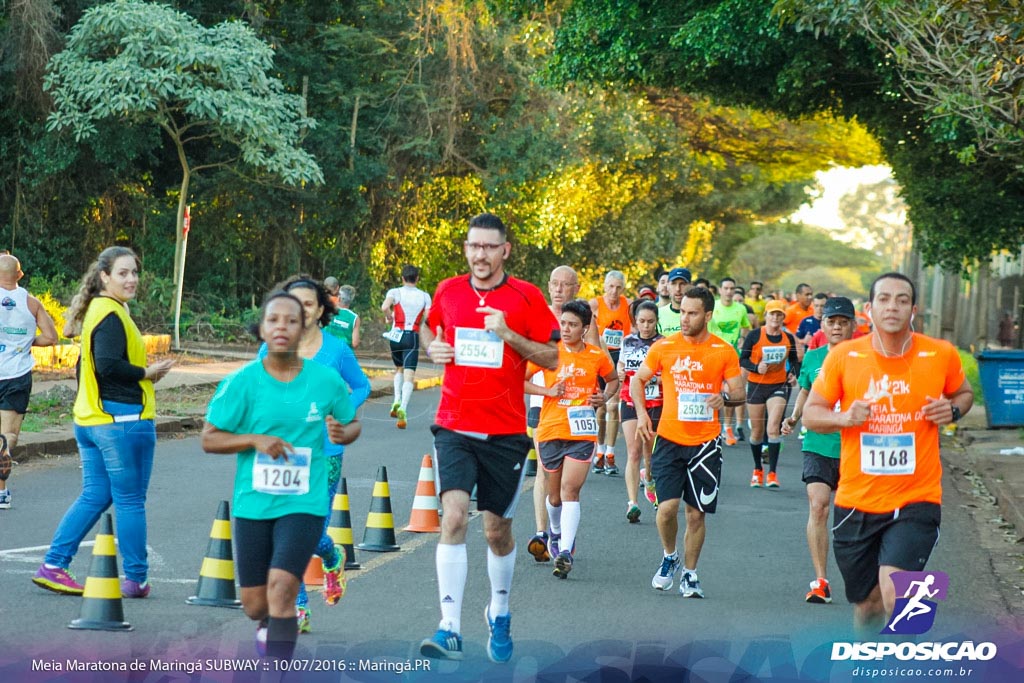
{"x":88,"y":410}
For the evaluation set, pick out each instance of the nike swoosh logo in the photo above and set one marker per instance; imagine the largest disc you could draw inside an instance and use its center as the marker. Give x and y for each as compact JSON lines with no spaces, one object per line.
{"x":706,"y":499}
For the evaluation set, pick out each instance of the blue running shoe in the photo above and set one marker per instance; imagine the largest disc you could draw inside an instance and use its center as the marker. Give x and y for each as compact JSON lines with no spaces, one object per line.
{"x":443,"y":645}
{"x":553,"y":540}
{"x":662,"y":581}
{"x":499,"y":644}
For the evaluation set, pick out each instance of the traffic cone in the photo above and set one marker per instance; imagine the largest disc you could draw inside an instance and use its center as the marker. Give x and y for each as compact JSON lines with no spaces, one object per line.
{"x":101,"y":601}
{"x":340,"y":526}
{"x":216,"y":586}
{"x":314,"y":575}
{"x":531,"y":463}
{"x":424,"y":518}
{"x":379,"y":534}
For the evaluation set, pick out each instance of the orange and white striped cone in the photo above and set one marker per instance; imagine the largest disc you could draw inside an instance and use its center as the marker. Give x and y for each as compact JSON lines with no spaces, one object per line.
{"x":424,"y":518}
{"x":314,"y":575}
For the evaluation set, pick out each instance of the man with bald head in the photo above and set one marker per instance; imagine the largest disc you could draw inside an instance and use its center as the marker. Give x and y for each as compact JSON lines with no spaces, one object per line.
{"x":20,"y":315}
{"x":563,"y":286}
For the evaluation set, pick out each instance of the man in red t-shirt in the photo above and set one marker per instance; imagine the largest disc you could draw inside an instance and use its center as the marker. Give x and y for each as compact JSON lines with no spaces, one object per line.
{"x":483,"y":328}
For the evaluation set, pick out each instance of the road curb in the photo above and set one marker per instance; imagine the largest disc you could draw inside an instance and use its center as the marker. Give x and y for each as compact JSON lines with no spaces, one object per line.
{"x":37,"y":445}
{"x":1007,"y":493}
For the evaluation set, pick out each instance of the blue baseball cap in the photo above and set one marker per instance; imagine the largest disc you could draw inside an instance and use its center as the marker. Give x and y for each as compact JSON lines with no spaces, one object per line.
{"x":679,"y":274}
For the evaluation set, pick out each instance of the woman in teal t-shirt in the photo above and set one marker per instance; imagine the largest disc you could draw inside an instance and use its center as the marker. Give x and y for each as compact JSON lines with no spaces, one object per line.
{"x":272,"y":414}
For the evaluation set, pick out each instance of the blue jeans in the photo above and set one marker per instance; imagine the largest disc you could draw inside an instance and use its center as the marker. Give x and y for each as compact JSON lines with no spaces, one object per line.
{"x":117,"y":461}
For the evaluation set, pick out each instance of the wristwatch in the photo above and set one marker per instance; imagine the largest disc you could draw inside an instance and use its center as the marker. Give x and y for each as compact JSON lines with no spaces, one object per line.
{"x":956,"y":413}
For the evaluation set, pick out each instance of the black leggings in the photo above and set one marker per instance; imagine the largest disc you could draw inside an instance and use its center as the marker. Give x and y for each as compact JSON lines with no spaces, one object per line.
{"x":284,"y":543}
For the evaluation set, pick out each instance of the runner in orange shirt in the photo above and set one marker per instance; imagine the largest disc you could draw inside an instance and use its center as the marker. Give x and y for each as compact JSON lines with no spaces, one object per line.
{"x":611,"y":325}
{"x":769,"y":357}
{"x":568,"y":425}
{"x":800,"y":308}
{"x":696,"y":368}
{"x":894,"y":389}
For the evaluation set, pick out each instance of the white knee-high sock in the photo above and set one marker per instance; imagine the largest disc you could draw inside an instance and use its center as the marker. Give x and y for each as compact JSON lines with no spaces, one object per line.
{"x":452,"y":566}
{"x":398,"y":387}
{"x":500,"y":570}
{"x":406,"y":394}
{"x":554,"y":516}
{"x":570,"y":523}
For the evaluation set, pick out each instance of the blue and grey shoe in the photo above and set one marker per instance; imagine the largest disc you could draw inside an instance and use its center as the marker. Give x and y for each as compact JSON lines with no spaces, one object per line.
{"x":499,"y":644}
{"x":666,"y":575}
{"x":444,"y":644}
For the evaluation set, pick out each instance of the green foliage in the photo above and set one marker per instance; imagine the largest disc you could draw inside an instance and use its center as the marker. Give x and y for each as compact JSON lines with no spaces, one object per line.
{"x":139,"y":62}
{"x":750,"y":52}
{"x":970,"y":364}
{"x":54,"y":307}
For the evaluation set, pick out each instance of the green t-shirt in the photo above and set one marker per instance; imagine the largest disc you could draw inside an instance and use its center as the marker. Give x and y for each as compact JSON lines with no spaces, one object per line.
{"x":730,"y":320}
{"x":822,"y":444}
{"x":668,"y":320}
{"x":342,"y":325}
{"x":250,"y":401}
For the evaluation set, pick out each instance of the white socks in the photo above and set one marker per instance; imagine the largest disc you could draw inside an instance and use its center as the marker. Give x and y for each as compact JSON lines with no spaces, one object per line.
{"x":452,"y":566}
{"x":406,"y":394}
{"x":500,"y":570}
{"x":570,"y":523}
{"x":398,"y":387}
{"x":554,"y":516}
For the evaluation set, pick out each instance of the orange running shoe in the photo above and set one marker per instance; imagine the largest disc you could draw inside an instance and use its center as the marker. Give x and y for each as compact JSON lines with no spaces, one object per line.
{"x":730,"y":438}
{"x":820,"y":593}
{"x":773,"y":481}
{"x":757,"y":479}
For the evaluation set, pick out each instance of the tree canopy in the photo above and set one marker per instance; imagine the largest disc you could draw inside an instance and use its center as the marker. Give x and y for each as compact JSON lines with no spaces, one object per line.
{"x":757,"y":53}
{"x":427,"y":112}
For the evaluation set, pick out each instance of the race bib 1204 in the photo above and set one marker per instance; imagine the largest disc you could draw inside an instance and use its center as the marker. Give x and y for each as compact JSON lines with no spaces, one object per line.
{"x":280,"y":476}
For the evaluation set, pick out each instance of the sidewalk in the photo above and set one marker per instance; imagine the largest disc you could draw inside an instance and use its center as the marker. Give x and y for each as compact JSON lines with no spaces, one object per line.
{"x":1003,"y":475}
{"x":61,"y":440}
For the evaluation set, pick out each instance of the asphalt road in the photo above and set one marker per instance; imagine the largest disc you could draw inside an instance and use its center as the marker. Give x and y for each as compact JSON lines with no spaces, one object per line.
{"x":754,"y":570}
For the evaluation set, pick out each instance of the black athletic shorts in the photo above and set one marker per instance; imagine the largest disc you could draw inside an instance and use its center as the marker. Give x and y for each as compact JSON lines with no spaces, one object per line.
{"x":818,"y":468}
{"x":627,"y":412}
{"x":758,"y":394}
{"x":533,"y":417}
{"x":553,"y":453}
{"x":495,"y":464}
{"x":406,"y":353}
{"x":15,"y":392}
{"x":285,"y":543}
{"x":864,"y":541}
{"x":688,"y":472}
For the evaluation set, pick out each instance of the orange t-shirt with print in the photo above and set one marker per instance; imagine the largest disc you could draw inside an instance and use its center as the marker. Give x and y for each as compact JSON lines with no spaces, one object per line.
{"x":690,"y":374}
{"x":613,"y":325}
{"x":580,"y":371}
{"x":794,"y":314}
{"x":893,"y":458}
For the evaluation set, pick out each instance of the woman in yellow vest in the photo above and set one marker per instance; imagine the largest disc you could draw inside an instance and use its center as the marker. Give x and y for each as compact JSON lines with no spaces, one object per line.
{"x":114,"y":427}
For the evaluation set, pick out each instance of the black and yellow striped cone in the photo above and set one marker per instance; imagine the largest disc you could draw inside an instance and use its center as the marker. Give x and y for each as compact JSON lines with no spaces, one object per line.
{"x":339,"y":528}
{"x":379,"y":534}
{"x":101,"y":601}
{"x":531,"y":463}
{"x":216,"y":586}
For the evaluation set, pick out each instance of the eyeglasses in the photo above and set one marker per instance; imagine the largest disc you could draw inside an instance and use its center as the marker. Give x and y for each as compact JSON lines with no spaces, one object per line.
{"x":483,"y":246}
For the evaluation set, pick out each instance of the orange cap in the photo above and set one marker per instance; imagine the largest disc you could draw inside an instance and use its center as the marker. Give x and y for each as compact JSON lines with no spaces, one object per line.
{"x":774,"y":305}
